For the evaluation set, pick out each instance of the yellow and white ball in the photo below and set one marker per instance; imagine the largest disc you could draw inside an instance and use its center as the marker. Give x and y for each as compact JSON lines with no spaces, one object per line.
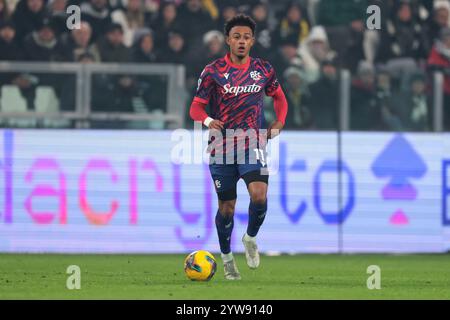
{"x":200,"y":266}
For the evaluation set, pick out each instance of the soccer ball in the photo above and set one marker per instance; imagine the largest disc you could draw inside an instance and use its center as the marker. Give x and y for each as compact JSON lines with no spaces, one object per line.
{"x":200,"y":266}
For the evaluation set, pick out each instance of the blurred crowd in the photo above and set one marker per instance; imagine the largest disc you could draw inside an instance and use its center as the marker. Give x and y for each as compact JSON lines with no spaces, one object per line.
{"x":308,"y":41}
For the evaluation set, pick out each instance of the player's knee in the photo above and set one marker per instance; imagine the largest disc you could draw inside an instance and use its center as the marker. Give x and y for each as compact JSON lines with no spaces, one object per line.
{"x":227,"y":208}
{"x":258,"y":197}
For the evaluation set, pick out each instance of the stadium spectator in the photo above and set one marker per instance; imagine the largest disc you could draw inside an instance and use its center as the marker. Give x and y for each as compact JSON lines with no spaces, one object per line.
{"x":263,"y":43}
{"x":143,"y":50}
{"x":28,"y":16}
{"x":111,"y":46}
{"x":365,"y":113}
{"x":9,"y":46}
{"x":42,"y":44}
{"x":97,"y":13}
{"x":132,"y":17}
{"x":403,"y":36}
{"x":59,"y":16}
{"x":314,"y":51}
{"x":214,"y":42}
{"x":149,"y":89}
{"x":119,"y":88}
{"x":353,"y":45}
{"x":175,"y":49}
{"x":214,"y":48}
{"x":293,"y":27}
{"x":196,"y":21}
{"x":227,"y":10}
{"x":286,"y":55}
{"x":439,"y":60}
{"x":11,"y":51}
{"x":324,"y":107}
{"x":78,"y":43}
{"x":166,"y":22}
{"x":439,"y":20}
{"x":413,"y":106}
{"x":344,"y":24}
{"x":386,"y":91}
{"x":5,"y":13}
{"x":299,"y":115}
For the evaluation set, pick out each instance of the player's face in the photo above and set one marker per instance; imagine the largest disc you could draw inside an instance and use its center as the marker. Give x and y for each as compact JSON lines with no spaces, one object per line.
{"x":240,"y":40}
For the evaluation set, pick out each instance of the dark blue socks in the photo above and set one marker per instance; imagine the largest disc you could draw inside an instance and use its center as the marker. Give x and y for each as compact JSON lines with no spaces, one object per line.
{"x":257,"y":213}
{"x":224,"y":226}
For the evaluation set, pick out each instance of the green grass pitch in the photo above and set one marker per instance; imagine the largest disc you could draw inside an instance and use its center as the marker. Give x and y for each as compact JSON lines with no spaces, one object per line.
{"x":33,"y":276}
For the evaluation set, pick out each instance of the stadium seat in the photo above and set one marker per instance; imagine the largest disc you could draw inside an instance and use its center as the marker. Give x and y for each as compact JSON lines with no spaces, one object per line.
{"x":11,"y":100}
{"x":46,"y":100}
{"x":158,"y":123}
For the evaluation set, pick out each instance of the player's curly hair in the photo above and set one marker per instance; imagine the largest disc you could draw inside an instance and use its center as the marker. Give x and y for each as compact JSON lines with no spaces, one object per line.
{"x":240,"y":20}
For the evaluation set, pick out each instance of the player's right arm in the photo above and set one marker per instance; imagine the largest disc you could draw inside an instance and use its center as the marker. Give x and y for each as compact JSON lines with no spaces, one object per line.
{"x":198,"y":113}
{"x":197,"y":110}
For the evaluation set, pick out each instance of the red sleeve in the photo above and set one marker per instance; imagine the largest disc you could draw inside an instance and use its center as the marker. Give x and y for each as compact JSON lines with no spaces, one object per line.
{"x":280,"y":105}
{"x":197,"y":111}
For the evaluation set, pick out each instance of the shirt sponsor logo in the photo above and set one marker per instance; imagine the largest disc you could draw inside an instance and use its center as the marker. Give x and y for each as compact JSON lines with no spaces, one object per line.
{"x":236,"y":90}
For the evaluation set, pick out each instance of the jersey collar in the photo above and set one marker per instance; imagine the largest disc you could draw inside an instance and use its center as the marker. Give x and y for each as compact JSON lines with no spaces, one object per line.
{"x":237,"y":66}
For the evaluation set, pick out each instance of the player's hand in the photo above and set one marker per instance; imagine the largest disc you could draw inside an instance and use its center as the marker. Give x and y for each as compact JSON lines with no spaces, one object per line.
{"x":216,"y":124}
{"x":276,"y":127}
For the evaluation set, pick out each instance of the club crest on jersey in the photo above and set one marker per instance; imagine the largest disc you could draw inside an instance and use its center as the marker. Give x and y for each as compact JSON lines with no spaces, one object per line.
{"x":240,"y":89}
{"x":255,"y":75}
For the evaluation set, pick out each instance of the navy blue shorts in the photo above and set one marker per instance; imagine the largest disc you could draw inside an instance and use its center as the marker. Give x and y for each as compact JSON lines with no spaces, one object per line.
{"x":226,"y":176}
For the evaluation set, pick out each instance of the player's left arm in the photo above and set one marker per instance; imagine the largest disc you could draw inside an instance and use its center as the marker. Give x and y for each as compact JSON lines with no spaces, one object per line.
{"x":274,"y":90}
{"x":281,"y":108}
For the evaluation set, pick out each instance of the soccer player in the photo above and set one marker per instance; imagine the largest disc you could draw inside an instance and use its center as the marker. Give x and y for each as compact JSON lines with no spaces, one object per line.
{"x":234,"y":87}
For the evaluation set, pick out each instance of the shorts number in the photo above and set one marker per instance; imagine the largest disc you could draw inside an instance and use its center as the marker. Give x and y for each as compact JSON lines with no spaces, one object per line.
{"x":260,"y":156}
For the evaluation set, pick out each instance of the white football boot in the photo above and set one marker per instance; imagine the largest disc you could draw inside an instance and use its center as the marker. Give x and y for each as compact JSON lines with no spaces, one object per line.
{"x":230,"y":268}
{"x":251,"y":251}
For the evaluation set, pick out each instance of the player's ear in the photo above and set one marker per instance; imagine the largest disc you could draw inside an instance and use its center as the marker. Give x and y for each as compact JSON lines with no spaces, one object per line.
{"x":227,"y":40}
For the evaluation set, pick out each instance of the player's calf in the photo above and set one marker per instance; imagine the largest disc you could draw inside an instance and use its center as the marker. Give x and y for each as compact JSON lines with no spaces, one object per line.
{"x":257,"y":213}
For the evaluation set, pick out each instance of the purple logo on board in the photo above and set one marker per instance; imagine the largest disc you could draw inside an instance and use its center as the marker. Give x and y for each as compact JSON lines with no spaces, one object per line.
{"x":399,"y":163}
